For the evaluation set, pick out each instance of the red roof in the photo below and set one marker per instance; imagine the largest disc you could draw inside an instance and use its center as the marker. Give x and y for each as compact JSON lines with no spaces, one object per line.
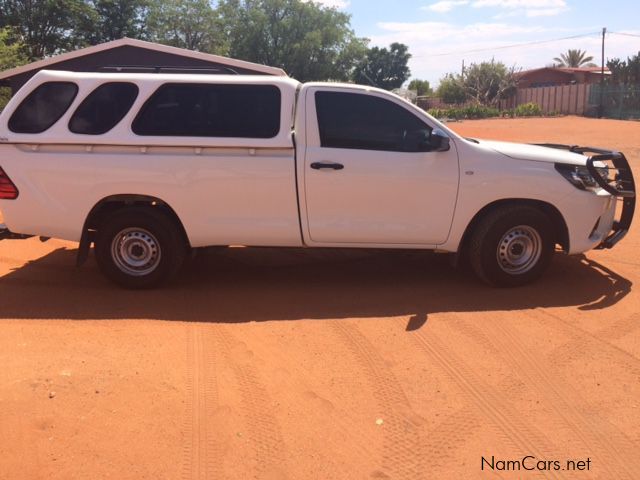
{"x":565,"y":70}
{"x":582,"y":69}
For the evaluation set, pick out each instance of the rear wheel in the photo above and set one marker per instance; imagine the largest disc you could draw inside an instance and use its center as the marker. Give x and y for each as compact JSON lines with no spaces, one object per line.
{"x":139,"y":247}
{"x":512,"y":246}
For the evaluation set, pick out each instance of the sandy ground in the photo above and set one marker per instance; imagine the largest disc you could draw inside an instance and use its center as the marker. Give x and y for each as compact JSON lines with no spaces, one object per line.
{"x":266,"y":363}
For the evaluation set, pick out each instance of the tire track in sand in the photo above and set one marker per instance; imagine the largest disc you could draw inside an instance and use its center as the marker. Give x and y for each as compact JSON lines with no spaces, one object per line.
{"x":507,"y":422}
{"x":202,"y":454}
{"x":261,"y":422}
{"x":448,"y":437}
{"x":582,"y":340}
{"x":319,"y":399}
{"x":403,"y":441}
{"x":594,"y":433}
{"x":620,"y":328}
{"x":619,"y":453}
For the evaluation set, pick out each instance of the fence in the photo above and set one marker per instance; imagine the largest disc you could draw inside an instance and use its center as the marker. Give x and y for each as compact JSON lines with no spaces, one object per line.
{"x":563,"y":99}
{"x":427,"y":103}
{"x":618,"y":100}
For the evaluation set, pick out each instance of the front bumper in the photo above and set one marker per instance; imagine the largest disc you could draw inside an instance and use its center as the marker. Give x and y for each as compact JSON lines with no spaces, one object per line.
{"x":623,"y":186}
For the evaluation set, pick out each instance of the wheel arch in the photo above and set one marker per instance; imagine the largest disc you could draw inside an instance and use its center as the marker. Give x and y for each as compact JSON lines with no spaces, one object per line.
{"x":559,"y":224}
{"x":113,"y":203}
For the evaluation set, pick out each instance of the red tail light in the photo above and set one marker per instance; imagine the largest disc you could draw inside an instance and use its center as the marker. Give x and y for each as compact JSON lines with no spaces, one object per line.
{"x":8,"y":190}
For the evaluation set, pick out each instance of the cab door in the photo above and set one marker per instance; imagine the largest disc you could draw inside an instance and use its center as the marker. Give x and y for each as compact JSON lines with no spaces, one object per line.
{"x":370,"y":173}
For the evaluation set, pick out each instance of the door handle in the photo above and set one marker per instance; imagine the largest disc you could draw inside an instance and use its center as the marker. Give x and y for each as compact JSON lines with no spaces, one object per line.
{"x":333,"y":166}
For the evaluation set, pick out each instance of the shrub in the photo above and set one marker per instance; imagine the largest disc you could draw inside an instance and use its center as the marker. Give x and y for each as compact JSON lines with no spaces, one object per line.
{"x":528,"y":110}
{"x":451,"y":90}
{"x":480,"y":111}
{"x":477,"y":111}
{"x":438,"y":112}
{"x":470,"y":111}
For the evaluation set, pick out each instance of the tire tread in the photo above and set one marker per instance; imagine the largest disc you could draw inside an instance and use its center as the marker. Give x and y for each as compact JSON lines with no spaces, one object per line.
{"x":173,"y":250}
{"x":476,"y":246}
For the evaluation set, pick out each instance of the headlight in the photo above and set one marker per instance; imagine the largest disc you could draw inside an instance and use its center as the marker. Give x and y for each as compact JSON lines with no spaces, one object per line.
{"x":580,"y":177}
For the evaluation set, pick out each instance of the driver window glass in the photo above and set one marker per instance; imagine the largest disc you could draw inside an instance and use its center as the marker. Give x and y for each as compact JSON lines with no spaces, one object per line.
{"x":365,"y":122}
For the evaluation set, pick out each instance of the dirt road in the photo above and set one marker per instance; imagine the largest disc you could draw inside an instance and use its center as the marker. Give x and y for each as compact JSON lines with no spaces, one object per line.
{"x":274,"y":364}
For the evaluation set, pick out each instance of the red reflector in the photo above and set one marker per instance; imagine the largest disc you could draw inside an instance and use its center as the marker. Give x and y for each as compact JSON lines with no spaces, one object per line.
{"x":8,"y":190}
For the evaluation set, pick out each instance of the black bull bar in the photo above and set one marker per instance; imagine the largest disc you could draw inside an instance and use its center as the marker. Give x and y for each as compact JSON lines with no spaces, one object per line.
{"x":621,"y":186}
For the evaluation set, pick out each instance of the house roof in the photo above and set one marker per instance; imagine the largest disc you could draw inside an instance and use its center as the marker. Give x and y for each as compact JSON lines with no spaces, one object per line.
{"x":584,"y":69}
{"x":231,"y":62}
{"x":569,"y":70}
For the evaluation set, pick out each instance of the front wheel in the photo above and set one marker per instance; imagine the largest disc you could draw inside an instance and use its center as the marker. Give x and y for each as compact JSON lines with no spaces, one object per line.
{"x":139,"y":248}
{"x":512,"y":246}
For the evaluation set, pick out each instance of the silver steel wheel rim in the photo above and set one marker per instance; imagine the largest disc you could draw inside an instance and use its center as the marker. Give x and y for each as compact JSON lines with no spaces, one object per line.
{"x":136,"y":251}
{"x":519,"y":250}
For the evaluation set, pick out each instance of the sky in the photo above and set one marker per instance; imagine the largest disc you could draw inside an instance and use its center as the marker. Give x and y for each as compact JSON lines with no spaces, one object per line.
{"x":441,"y":34}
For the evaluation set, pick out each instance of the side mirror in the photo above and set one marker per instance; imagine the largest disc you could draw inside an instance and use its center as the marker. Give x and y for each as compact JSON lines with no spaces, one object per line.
{"x":439,"y":141}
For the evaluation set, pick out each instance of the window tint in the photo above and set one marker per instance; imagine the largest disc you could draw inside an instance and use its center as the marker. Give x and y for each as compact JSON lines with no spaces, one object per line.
{"x":103,"y":108}
{"x":201,"y":110}
{"x":43,"y":107}
{"x":350,"y":120}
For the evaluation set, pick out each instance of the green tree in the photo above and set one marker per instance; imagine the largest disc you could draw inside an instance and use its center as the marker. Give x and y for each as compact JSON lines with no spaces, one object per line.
{"x":307,"y":40}
{"x":11,"y":55}
{"x":422,"y":87}
{"x":384,"y":68}
{"x":622,"y":96}
{"x":46,"y":27}
{"x":488,"y":82}
{"x":625,"y":71}
{"x":115,"y":19}
{"x":191,"y":24}
{"x":574,"y":59}
{"x":451,"y":89}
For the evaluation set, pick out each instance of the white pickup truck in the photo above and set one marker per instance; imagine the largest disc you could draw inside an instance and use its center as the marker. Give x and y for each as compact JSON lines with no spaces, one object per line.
{"x":149,"y":166}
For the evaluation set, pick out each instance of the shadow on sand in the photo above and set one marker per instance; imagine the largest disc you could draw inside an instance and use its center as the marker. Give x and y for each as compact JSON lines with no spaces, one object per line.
{"x":256,"y":284}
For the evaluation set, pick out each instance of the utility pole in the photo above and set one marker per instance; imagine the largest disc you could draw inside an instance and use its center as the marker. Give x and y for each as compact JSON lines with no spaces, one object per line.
{"x":462,"y":74}
{"x":601,"y":109}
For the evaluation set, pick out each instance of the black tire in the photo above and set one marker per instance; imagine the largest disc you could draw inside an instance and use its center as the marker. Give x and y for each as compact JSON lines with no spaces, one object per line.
{"x":512,"y":246}
{"x":139,"y":247}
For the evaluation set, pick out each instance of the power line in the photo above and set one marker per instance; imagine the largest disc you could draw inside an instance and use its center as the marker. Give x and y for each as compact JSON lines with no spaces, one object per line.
{"x":503,"y":47}
{"x":626,"y":34}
